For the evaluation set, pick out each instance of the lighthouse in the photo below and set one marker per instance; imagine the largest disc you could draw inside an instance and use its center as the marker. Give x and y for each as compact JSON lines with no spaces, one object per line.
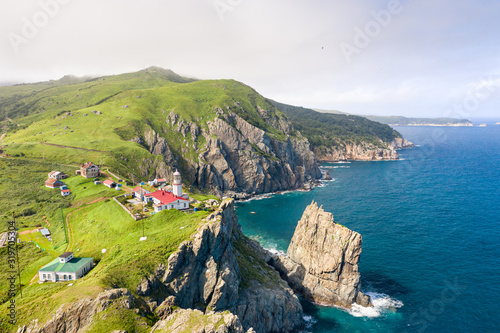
{"x":177,"y":184}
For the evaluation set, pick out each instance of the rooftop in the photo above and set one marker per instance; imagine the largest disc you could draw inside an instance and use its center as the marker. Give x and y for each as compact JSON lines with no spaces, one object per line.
{"x":165,"y":197}
{"x":52,"y":181}
{"x":66,"y":254}
{"x":70,"y":267}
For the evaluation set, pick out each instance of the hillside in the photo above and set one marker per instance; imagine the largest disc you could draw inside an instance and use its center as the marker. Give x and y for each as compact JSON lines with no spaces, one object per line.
{"x":222,"y":135}
{"x":136,"y":284}
{"x":344,"y":137}
{"x":404,"y":121}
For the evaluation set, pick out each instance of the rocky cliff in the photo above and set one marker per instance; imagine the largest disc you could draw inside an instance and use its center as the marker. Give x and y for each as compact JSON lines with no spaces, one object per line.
{"x":230,"y":156}
{"x":218,"y":281}
{"x":322,"y":260}
{"x":361,"y":152}
{"x":220,"y":269}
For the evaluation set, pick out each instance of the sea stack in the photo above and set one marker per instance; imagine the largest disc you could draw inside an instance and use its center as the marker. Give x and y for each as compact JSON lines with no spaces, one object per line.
{"x":322,"y":261}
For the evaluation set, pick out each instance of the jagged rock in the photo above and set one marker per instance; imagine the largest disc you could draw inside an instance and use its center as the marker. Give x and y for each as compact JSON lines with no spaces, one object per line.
{"x":361,"y":152}
{"x":206,"y":272}
{"x":241,"y":158}
{"x":322,"y":260}
{"x":188,"y":320}
{"x":166,"y":308}
{"x":78,"y":317}
{"x":326,"y":176}
{"x":151,"y":284}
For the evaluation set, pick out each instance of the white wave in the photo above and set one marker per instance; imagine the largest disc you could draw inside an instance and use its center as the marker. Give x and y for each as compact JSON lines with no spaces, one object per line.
{"x":273,"y":249}
{"x":310,"y":321}
{"x":382,"y":304}
{"x":337,"y":167}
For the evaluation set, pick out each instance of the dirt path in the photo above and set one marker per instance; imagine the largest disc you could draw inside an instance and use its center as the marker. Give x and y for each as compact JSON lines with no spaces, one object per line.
{"x":79,"y":148}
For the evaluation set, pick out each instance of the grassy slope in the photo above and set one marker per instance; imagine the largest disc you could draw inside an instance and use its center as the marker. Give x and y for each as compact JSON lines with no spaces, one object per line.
{"x":327,"y":129}
{"x":150,"y":96}
{"x":94,"y":226}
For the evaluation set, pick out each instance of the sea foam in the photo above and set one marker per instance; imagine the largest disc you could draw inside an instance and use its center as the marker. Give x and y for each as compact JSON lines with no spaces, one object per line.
{"x":382,"y":304}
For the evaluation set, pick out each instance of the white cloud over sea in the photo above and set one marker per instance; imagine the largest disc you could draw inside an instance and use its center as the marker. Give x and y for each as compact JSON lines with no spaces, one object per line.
{"x":414,"y":58}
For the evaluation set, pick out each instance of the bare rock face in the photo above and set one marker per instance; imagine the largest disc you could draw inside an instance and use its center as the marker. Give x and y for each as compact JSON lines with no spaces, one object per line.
{"x":78,"y":317}
{"x":362,"y":152}
{"x":189,"y":320}
{"x":242,"y":158}
{"x":322,"y":260}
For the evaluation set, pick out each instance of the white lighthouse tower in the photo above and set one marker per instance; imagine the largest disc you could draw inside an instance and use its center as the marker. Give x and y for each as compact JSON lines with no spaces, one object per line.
{"x":177,"y":184}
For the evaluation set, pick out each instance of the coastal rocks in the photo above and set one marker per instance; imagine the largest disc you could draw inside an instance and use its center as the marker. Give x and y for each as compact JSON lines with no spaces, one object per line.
{"x":361,"y":152}
{"x":326,"y":175}
{"x":221,"y":270}
{"x":322,"y":260}
{"x":79,"y":316}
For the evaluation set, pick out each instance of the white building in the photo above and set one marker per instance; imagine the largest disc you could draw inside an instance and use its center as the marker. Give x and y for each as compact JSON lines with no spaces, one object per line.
{"x":177,"y":184}
{"x":65,"y":268}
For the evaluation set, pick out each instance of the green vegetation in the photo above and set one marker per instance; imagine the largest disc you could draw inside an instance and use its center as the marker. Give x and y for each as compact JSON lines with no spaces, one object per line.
{"x":252,"y":267}
{"x":404,"y":121}
{"x":95,"y":223}
{"x":118,"y":319}
{"x":110,"y":120}
{"x":328,"y":130}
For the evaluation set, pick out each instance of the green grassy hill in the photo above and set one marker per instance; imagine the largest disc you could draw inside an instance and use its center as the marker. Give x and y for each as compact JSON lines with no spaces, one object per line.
{"x":107,"y":119}
{"x":97,"y":227}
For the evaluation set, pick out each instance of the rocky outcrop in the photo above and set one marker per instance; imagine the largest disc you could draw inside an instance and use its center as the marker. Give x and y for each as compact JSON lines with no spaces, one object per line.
{"x":189,"y":320}
{"x":322,"y":260}
{"x":361,"y":152}
{"x":79,"y":316}
{"x":239,"y":157}
{"x":213,"y":272}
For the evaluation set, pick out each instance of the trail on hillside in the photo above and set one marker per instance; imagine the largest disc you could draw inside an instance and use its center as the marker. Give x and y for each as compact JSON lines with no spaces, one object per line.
{"x":79,"y":148}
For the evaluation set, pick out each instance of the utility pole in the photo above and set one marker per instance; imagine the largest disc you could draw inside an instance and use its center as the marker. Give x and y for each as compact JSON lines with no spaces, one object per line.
{"x":17,"y":255}
{"x":64,"y":225}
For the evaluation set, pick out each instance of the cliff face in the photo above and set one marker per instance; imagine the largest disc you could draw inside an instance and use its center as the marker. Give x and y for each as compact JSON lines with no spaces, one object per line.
{"x":322,"y":260}
{"x":220,"y":269}
{"x":361,"y":152}
{"x":230,"y":156}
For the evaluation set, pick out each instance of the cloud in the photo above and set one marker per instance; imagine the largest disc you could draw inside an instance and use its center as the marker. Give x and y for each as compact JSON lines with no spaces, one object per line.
{"x":289,"y":50}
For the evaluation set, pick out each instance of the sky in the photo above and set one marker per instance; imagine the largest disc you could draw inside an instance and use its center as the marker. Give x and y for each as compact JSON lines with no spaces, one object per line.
{"x":425,"y":58}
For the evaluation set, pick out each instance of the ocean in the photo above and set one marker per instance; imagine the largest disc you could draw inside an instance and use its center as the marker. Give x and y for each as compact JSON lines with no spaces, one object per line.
{"x":431,"y":228}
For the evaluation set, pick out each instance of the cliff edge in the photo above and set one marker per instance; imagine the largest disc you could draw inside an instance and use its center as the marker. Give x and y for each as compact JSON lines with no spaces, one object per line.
{"x":322,"y":261}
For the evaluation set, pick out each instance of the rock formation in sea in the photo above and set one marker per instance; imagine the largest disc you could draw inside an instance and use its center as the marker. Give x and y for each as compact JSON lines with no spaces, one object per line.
{"x":361,"y":152}
{"x":322,"y":261}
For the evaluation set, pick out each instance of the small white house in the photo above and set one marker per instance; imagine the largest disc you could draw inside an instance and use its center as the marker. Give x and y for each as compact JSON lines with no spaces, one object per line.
{"x":65,"y":268}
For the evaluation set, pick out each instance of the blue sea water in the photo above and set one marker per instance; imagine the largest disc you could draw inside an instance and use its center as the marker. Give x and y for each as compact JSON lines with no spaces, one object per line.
{"x":431,"y":233}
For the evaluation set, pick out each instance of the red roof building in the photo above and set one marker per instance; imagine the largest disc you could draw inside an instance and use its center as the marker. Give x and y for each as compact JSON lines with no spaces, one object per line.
{"x":109,"y":183}
{"x":53,"y":183}
{"x":139,"y":192}
{"x":65,"y":193}
{"x":167,"y":200}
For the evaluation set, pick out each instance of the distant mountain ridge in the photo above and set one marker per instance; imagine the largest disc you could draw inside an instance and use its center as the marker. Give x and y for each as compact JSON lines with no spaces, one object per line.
{"x":409,"y":121}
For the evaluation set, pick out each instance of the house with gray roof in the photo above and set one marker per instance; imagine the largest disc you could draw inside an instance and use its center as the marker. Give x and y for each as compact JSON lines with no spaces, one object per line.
{"x":65,"y":268}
